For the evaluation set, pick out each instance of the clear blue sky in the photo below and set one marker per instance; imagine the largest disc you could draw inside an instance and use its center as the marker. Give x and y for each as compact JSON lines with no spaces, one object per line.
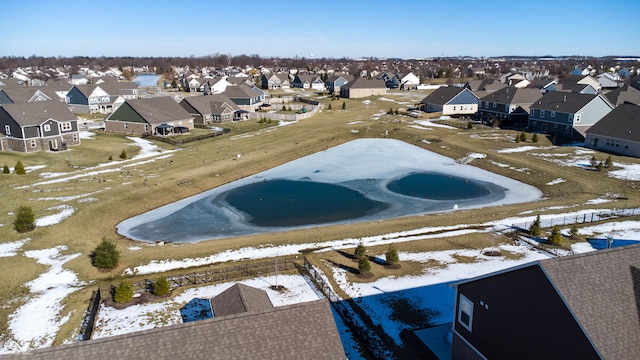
{"x":328,"y":28}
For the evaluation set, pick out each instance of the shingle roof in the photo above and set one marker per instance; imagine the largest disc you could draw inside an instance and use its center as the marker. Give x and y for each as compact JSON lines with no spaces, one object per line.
{"x":624,"y":94}
{"x":442,"y":95}
{"x":300,"y":331}
{"x":602,"y":289}
{"x":240,"y":298}
{"x":563,"y":101}
{"x":204,"y":104}
{"x":238,"y":92}
{"x":24,"y":94}
{"x":35,"y":113}
{"x":513,"y":95}
{"x":157,"y":110}
{"x":364,"y":83}
{"x":623,"y":122}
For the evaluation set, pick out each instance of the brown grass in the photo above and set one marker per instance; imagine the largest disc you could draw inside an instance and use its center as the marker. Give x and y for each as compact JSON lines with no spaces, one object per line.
{"x":206,"y":164}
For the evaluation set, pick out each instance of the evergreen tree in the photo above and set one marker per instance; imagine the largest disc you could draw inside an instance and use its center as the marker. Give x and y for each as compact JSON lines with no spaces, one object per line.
{"x":360,"y":251}
{"x":344,"y":105}
{"x":329,"y":107}
{"x":594,"y":162}
{"x":284,"y":108}
{"x":517,"y":139}
{"x":574,"y":231}
{"x":105,"y":255}
{"x":123,"y":154}
{"x":556,"y":236}
{"x":534,"y":138}
{"x":535,"y":228}
{"x":19,"y":169}
{"x":25,"y":219}
{"x":469,"y":125}
{"x":363,"y":265}
{"x":123,"y":292}
{"x":609,"y":162}
{"x":392,"y":255}
{"x":6,"y":169}
{"x":161,"y":287}
{"x":523,"y":136}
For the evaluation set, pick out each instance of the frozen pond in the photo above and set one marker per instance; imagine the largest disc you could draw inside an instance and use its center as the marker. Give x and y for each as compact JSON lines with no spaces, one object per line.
{"x":363,"y":180}
{"x":145,"y":80}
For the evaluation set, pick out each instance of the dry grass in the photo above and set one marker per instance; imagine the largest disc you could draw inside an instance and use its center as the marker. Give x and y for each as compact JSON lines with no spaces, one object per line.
{"x":206,"y":164}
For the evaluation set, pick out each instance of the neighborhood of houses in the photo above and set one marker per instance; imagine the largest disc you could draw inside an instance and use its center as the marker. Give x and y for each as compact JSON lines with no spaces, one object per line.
{"x":598,"y":110}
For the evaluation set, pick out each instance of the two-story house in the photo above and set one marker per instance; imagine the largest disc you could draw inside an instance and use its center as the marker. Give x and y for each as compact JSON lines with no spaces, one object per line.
{"x":617,"y":132}
{"x":275,"y":81}
{"x":567,"y":115}
{"x":308,"y":81}
{"x":36,"y":126}
{"x":452,"y":101}
{"x":245,"y":97}
{"x":508,"y":106}
{"x":210,"y":109}
{"x":335,"y":82}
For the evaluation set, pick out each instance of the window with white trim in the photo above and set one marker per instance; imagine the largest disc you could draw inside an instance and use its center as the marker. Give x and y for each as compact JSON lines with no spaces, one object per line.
{"x":75,"y":137}
{"x":541,"y":113}
{"x":47,"y":127}
{"x":578,"y":116}
{"x":33,"y":143}
{"x":65,"y":126}
{"x":7,"y":130}
{"x":495,"y":105}
{"x":465,"y":312}
{"x":553,"y":114}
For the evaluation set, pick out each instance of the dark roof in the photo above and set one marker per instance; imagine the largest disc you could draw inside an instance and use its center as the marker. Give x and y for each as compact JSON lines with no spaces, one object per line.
{"x":24,"y":94}
{"x":205,"y":104}
{"x":239,"y":92}
{"x":240,"y":298}
{"x":623,"y":122}
{"x":156,"y":110}
{"x":300,"y":331}
{"x":36,"y":113}
{"x":513,"y":95}
{"x":602,"y":289}
{"x":485,"y":85}
{"x":364,"y":83}
{"x":624,"y":94}
{"x":442,"y":95}
{"x":567,"y":102}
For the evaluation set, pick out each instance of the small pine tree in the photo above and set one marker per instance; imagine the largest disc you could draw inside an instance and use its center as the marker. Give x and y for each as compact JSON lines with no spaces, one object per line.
{"x":523,"y":136}
{"x":6,"y":170}
{"x":360,"y":251}
{"x":534,"y":138}
{"x":123,"y":154}
{"x":344,"y":105}
{"x":609,"y":162}
{"x":363,"y":265}
{"x":390,"y":112}
{"x":535,"y":228}
{"x":469,"y":125}
{"x":25,"y":219}
{"x":392,"y":255}
{"x":161,"y":287}
{"x":106,"y":255}
{"x":123,"y":292}
{"x":574,"y":231}
{"x":19,"y":169}
{"x":594,"y":162}
{"x":556,"y":236}
{"x":517,"y":139}
{"x":289,"y":108}
{"x":329,"y":107}
{"x":284,"y":108}
{"x":600,"y":166}
{"x":110,"y":158}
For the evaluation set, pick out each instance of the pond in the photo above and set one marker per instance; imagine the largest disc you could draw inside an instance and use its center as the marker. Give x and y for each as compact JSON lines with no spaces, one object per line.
{"x":146,"y":80}
{"x":362,"y":180}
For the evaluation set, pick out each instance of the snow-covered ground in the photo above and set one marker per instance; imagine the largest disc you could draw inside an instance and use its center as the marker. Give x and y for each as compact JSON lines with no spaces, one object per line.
{"x":36,"y":322}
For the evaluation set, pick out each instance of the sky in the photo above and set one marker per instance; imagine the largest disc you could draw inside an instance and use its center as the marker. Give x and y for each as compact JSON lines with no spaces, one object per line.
{"x":316,"y":29}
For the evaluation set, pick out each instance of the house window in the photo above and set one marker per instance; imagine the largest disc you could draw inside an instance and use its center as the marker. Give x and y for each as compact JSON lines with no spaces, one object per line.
{"x":47,"y":127}
{"x":531,"y":112}
{"x":33,"y":143}
{"x":454,"y":108}
{"x":465,"y":312}
{"x":7,"y":130}
{"x":495,"y":105}
{"x":567,"y":129}
{"x":578,"y":116}
{"x":65,"y":126}
{"x":553,"y":114}
{"x":75,"y":137}
{"x":555,"y":127}
{"x":541,"y":113}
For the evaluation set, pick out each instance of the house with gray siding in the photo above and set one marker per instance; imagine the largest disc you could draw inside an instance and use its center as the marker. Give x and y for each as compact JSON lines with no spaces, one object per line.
{"x":618,"y":132}
{"x":158,"y":116}
{"x":275,"y":81}
{"x":210,"y":109}
{"x":335,"y":82}
{"x":37,"y":126}
{"x":507,"y":106}
{"x":91,"y":99}
{"x":452,"y":101}
{"x":245,"y":97}
{"x":567,"y":115}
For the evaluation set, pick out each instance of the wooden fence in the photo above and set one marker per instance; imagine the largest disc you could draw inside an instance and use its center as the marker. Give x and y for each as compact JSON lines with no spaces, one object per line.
{"x":182,"y":139}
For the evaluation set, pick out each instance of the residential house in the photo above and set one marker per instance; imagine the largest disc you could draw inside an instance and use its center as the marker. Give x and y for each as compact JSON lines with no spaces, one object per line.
{"x":507,"y":106}
{"x":609,"y":81}
{"x":392,"y":81}
{"x":624,"y":94}
{"x":210,"y":109}
{"x":484,"y":86}
{"x":409,"y":81}
{"x":36,"y":126}
{"x":193,"y":84}
{"x":335,"y":82}
{"x":452,"y":101}
{"x":570,"y":87}
{"x":567,"y":115}
{"x":128,"y":90}
{"x":275,"y":81}
{"x":584,"y":80}
{"x":300,"y":331}
{"x":245,"y":97}
{"x":240,"y":298}
{"x":572,"y":307}
{"x":308,"y":81}
{"x":617,"y":132}
{"x":18,"y":95}
{"x":362,"y":87}
{"x":92,"y":99}
{"x":158,"y":116}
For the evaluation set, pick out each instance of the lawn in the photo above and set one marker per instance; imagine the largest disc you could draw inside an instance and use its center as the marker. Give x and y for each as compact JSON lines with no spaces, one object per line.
{"x":106,"y":192}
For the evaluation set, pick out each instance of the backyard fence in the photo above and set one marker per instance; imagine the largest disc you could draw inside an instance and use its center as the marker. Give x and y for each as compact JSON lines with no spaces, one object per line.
{"x":374,"y":344}
{"x":311,"y":110}
{"x":182,"y":139}
{"x":584,"y":217}
{"x":86,"y":329}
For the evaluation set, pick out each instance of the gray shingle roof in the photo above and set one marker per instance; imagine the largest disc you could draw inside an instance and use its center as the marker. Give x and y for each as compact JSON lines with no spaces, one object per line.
{"x":602,"y":289}
{"x":363,"y":83}
{"x":300,"y":331}
{"x":157,"y":110}
{"x":623,"y":122}
{"x":513,"y":95}
{"x":36,"y":113}
{"x":624,"y":94}
{"x":205,"y":104}
{"x":567,"y":102}
{"x":442,"y":95}
{"x":240,"y":298}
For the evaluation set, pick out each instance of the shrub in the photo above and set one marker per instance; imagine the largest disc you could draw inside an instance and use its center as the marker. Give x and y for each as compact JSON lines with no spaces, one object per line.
{"x":19,"y":169}
{"x":123,"y":154}
{"x":105,"y":255}
{"x":534,"y":138}
{"x":535,"y":229}
{"x":360,"y":251}
{"x":556,"y":236}
{"x":25,"y":219}
{"x":517,"y":139}
{"x":392,"y":255}
{"x":6,"y":170}
{"x":123,"y":292}
{"x":523,"y":136}
{"x":344,"y":105}
{"x":110,"y":158}
{"x":390,"y":112}
{"x":329,"y":107}
{"x":161,"y":287}
{"x":609,"y":162}
{"x":284,"y":108}
{"x":574,"y":231}
{"x":600,"y":166}
{"x":363,"y":265}
{"x":469,"y":125}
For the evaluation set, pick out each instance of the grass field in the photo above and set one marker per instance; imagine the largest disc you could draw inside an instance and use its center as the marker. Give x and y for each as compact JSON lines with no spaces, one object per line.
{"x":198,"y":166}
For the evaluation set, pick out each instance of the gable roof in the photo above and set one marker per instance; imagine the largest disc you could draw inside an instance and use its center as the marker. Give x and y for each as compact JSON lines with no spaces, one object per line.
{"x":26,"y":94}
{"x":443,"y":95}
{"x":240,"y":298}
{"x":364,"y":83}
{"x":513,"y":95}
{"x":624,"y":94}
{"x":156,"y":110}
{"x":485,"y":85}
{"x":567,"y":102}
{"x":36,"y":113}
{"x":239,"y":92}
{"x":299,"y":331}
{"x":205,"y":104}
{"x":602,"y":288}
{"x":623,"y":122}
